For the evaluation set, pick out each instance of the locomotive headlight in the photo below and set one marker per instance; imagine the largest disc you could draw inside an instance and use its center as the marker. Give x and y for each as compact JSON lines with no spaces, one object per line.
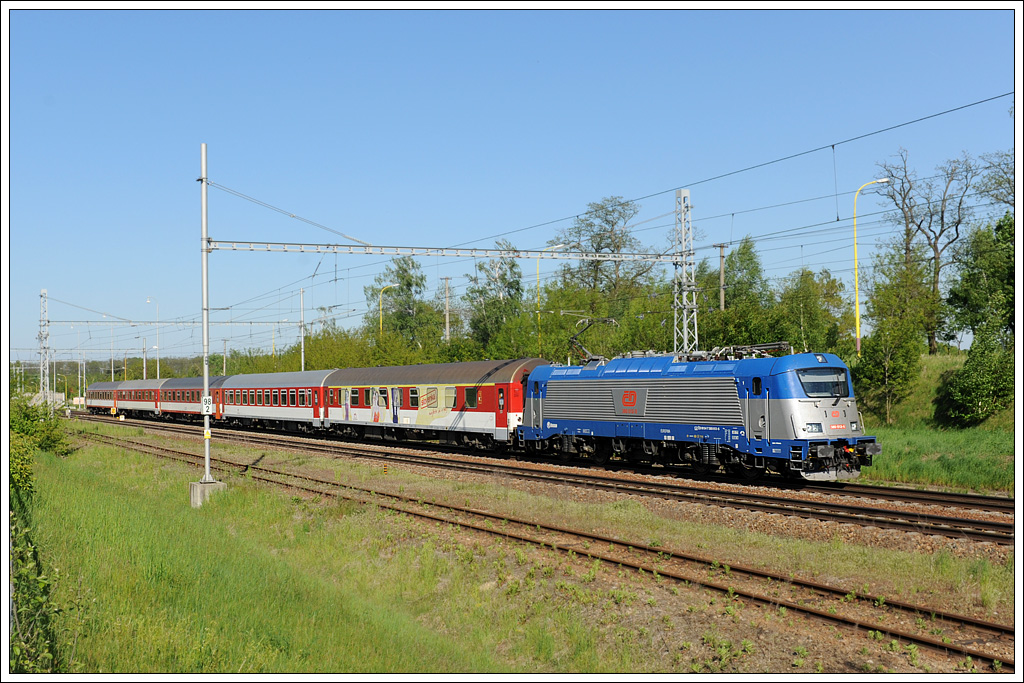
{"x":813,"y":428}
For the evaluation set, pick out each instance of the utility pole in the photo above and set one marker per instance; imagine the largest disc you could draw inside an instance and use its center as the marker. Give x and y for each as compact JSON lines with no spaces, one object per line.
{"x":447,"y":329}
{"x":199,"y":491}
{"x":721,"y":276}
{"x":302,"y":329}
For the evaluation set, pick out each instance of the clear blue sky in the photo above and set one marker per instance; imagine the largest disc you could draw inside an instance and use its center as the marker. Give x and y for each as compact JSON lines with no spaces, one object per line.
{"x":440,"y":128}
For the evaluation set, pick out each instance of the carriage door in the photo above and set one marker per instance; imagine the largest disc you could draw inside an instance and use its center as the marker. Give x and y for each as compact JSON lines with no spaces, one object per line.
{"x":316,"y":402}
{"x":501,"y":416}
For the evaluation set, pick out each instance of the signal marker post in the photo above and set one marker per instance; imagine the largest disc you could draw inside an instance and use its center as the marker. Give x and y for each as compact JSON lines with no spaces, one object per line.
{"x":200,"y":490}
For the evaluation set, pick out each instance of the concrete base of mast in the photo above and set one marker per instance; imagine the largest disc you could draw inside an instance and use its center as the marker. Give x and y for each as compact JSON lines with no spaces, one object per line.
{"x":200,"y":491}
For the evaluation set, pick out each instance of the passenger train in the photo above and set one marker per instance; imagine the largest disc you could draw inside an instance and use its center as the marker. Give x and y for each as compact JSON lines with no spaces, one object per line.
{"x":794,"y":415}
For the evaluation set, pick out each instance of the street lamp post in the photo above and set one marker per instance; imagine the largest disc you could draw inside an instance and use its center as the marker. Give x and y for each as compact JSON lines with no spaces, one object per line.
{"x":380,"y":305}
{"x":157,"y":334}
{"x":557,"y":246}
{"x":856,"y":277}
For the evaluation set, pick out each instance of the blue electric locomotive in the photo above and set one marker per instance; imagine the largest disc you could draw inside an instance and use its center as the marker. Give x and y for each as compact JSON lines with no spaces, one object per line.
{"x":793,"y":414}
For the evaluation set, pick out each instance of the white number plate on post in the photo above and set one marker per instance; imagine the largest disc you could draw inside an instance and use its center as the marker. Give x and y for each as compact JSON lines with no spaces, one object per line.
{"x":207,"y":405}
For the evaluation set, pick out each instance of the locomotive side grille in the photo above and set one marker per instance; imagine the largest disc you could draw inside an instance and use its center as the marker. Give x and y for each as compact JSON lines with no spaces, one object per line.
{"x":579,"y":400}
{"x":687,"y":400}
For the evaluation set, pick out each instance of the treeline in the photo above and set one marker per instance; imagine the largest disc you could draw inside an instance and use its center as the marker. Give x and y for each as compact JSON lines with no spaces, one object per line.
{"x":948,"y":273}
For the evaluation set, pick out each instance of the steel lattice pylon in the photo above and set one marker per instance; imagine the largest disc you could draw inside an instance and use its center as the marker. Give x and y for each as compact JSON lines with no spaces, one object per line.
{"x":44,"y":351}
{"x":684,"y":303}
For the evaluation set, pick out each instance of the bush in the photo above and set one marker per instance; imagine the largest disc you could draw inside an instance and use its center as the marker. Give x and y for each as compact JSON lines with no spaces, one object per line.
{"x":983,"y":386}
{"x":21,"y":465}
{"x":40,"y":429}
{"x":33,"y":635}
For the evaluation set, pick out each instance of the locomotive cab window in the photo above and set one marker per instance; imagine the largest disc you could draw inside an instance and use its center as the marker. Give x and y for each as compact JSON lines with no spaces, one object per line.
{"x":824,"y":382}
{"x":757,"y":387}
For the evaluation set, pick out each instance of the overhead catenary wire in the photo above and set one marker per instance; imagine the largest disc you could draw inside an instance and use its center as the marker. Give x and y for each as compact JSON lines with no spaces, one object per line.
{"x":781,"y":234}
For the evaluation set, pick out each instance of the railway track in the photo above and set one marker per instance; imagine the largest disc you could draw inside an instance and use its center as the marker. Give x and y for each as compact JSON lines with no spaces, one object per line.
{"x":914,"y":520}
{"x":961,"y":636}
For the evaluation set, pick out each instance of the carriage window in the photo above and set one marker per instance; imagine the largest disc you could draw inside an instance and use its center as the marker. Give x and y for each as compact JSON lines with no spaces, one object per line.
{"x":302,"y":398}
{"x":259,"y":398}
{"x":245,"y":398}
{"x":399,"y":402}
{"x":414,"y":398}
{"x":354,"y":397}
{"x":275,"y":396}
{"x":471,"y":397}
{"x":316,"y":398}
{"x":252,"y":397}
{"x":266,"y":397}
{"x":291,"y":397}
{"x":449,"y":397}
{"x":366,"y":397}
{"x":330,"y":398}
{"x":430,"y":397}
{"x":382,"y":397}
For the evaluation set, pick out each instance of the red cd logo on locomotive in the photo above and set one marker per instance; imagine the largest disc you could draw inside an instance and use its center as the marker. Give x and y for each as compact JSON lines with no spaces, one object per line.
{"x":629,"y":398}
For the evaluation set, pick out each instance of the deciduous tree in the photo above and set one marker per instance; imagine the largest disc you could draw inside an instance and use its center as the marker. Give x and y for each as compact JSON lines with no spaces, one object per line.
{"x":933,"y":211}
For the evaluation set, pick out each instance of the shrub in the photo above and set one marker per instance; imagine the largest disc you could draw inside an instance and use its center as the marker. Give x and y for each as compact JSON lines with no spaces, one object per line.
{"x":984,"y":385}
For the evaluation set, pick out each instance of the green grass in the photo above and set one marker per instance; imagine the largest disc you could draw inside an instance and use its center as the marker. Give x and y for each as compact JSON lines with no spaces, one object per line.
{"x":970,"y":459}
{"x":257,"y":581}
{"x":917,"y":450}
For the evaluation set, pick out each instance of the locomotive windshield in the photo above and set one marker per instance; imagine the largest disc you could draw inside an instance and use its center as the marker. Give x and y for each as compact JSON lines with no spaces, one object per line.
{"x":824,"y":382}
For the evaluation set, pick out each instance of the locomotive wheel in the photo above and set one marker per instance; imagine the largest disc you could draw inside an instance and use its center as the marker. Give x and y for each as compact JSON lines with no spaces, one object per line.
{"x":602,"y":453}
{"x":702,"y":468}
